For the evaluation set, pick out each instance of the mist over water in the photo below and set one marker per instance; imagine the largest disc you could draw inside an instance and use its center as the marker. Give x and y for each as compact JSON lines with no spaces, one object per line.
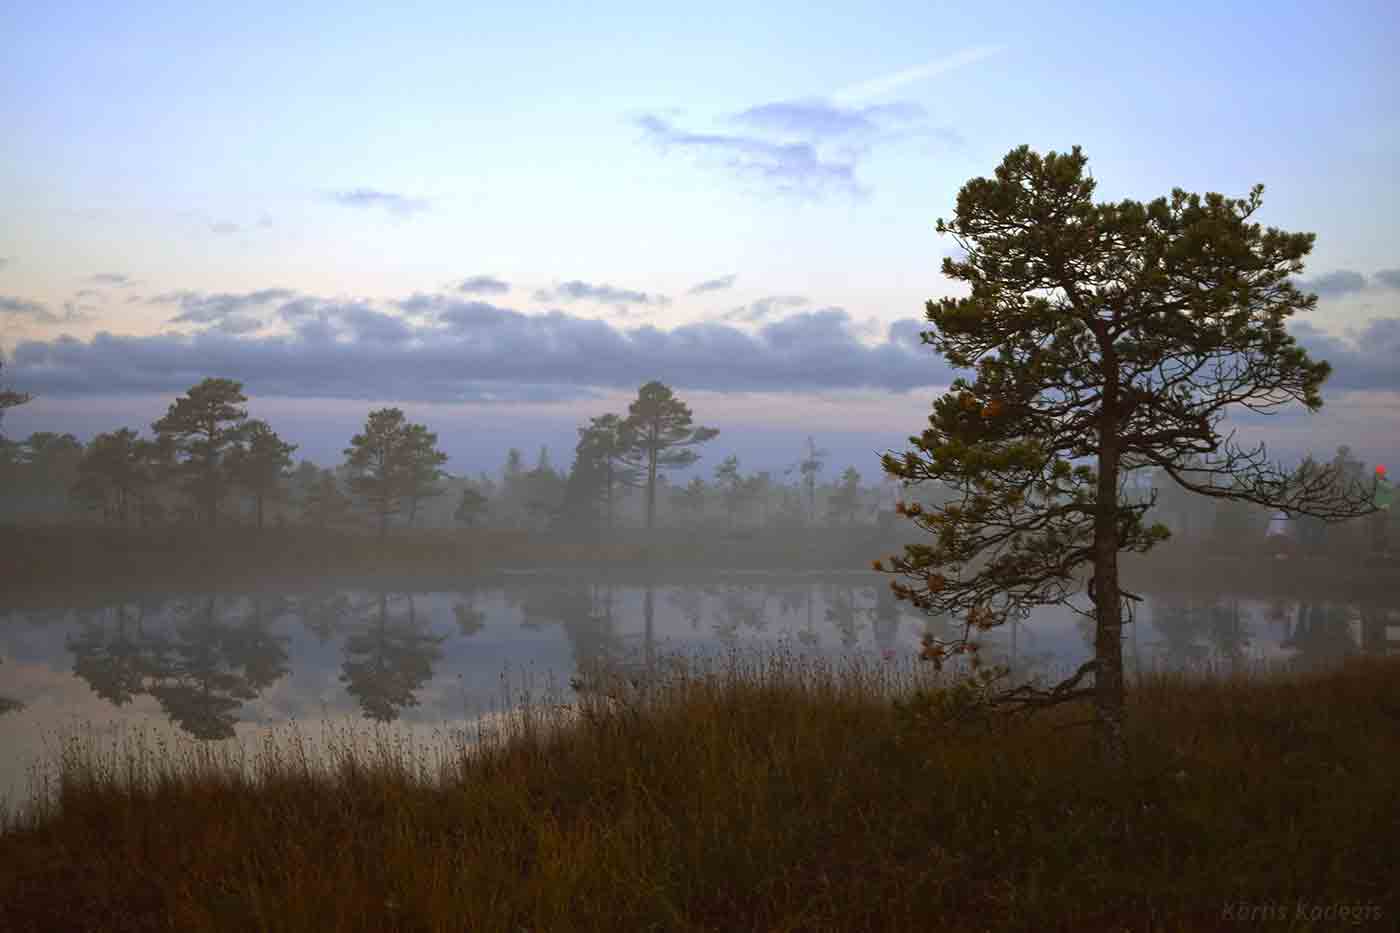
{"x":215,"y":666}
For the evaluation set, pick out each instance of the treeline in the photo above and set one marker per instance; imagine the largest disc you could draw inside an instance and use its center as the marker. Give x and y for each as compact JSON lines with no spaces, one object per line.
{"x":208,"y":463}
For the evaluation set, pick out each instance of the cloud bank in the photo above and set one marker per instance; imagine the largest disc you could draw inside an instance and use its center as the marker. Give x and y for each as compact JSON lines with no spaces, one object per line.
{"x":456,"y":349}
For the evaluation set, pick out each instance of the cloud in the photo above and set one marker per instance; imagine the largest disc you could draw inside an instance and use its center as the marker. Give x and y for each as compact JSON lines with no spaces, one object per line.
{"x":1333,"y":284}
{"x":713,"y":285}
{"x":473,"y":349}
{"x":224,"y":227}
{"x":111,"y":278}
{"x":481,"y":285}
{"x":370,"y":199}
{"x":789,"y":168}
{"x":886,"y":83}
{"x":808,"y":148}
{"x":1367,"y":358}
{"x":227,"y":311}
{"x":820,"y":120}
{"x":763,"y":307}
{"x":73,"y":312}
{"x":23,"y":307}
{"x":1388,"y":278}
{"x":575,"y":290}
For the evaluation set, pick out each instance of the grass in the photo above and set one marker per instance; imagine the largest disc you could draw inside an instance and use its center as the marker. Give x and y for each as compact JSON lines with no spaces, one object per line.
{"x":773,"y":792}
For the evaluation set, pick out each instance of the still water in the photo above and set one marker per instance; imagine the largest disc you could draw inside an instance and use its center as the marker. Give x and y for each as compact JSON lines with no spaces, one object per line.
{"x":214,"y":666}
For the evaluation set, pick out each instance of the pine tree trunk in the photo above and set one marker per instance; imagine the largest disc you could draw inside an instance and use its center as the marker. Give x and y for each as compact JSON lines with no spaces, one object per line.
{"x":1109,"y":698}
{"x":651,"y":488}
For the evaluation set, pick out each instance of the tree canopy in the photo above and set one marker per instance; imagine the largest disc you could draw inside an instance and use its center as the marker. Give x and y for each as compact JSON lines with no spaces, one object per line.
{"x":392,"y":460}
{"x":1103,"y":339}
{"x":663,"y":435}
{"x":203,"y":424}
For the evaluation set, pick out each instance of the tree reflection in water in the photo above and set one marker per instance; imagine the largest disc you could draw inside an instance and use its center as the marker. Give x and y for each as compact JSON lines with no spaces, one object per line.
{"x":203,"y":658}
{"x":390,"y":659}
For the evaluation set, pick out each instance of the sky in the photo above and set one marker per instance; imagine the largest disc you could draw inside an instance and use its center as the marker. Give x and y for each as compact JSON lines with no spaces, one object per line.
{"x":505,"y":220}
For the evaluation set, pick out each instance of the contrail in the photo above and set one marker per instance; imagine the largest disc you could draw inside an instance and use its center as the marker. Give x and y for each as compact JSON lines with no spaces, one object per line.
{"x":856,"y":93}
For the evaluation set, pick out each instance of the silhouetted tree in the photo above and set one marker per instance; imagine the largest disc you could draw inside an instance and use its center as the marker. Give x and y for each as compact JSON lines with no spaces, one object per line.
{"x":424,"y":468}
{"x":112,"y":473}
{"x":388,"y":462}
{"x":1105,"y":338}
{"x":204,"y":424}
{"x":45,"y":468}
{"x":662,"y":437}
{"x":606,"y":444}
{"x":259,"y":461}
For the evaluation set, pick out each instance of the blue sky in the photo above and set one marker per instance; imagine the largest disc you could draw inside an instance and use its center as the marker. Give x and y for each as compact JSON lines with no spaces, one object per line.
{"x":256,"y":174}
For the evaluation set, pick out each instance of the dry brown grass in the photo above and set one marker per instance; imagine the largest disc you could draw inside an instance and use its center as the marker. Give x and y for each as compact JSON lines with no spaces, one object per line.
{"x":768,"y":793}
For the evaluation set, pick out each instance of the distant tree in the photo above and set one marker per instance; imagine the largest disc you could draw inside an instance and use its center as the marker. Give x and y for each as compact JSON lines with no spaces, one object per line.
{"x":112,"y":473}
{"x":204,"y":424}
{"x":606,"y":444}
{"x":756,"y":492}
{"x":1105,"y":338}
{"x":471,"y":507}
{"x":730,"y":485}
{"x":542,"y":491}
{"x":47,"y":466}
{"x":808,"y":468}
{"x":384,"y":462}
{"x":324,"y":504}
{"x":424,"y":467}
{"x":662,"y":433}
{"x":584,"y":504}
{"x":259,"y":461}
{"x":690,"y":498}
{"x":845,"y":503}
{"x":513,"y":490}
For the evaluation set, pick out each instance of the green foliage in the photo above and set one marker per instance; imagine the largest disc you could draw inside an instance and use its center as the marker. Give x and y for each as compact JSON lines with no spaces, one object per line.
{"x":203,"y":425}
{"x":259,"y":461}
{"x":112,"y":472}
{"x":662,"y":434}
{"x":1103,"y":339}
{"x":424,"y":467}
{"x":392,"y":460}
